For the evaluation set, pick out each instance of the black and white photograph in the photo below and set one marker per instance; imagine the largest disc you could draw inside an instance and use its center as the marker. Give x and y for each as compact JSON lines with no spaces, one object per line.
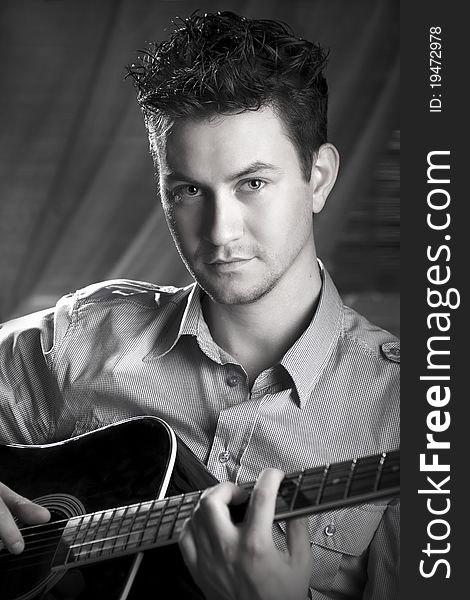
{"x":217,"y":220}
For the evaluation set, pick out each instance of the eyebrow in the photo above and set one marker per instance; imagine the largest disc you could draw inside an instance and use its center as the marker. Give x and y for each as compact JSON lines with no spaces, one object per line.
{"x":254,"y":167}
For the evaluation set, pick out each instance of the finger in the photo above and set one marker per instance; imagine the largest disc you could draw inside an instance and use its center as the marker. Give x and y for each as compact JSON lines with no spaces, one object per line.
{"x":31,"y":513}
{"x":261,"y":509}
{"x":212,"y":512}
{"x":298,"y":540}
{"x":23,"y":508}
{"x":9,"y":532}
{"x":11,"y":504}
{"x":188,"y":546}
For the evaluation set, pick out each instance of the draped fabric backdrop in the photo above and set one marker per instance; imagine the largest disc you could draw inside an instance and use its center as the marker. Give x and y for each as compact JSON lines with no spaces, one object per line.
{"x":78,"y":202}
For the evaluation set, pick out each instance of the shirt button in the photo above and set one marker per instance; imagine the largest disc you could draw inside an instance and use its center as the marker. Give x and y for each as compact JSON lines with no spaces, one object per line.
{"x":233,"y":380}
{"x":391,"y":351}
{"x":330,"y":530}
{"x":224,"y":456}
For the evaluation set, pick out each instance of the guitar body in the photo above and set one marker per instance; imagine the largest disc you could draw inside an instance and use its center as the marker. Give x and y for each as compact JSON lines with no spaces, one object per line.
{"x":119,"y":497}
{"x":121,"y":464}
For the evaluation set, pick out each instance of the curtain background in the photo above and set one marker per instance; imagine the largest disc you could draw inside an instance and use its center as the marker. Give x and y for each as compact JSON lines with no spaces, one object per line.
{"x":78,"y":202}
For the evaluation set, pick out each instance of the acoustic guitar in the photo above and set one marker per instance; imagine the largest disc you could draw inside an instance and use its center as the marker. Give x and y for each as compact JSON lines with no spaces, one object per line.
{"x":126,"y":489}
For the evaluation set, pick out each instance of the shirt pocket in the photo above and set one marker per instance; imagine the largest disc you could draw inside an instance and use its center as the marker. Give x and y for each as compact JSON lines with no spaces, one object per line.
{"x":339,"y":540}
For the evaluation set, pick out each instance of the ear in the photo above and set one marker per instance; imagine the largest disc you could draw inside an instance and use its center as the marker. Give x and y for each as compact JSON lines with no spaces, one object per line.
{"x":324,"y":172}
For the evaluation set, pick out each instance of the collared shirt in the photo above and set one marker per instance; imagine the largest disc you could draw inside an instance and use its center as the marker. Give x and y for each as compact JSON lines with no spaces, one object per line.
{"x":121,"y":348}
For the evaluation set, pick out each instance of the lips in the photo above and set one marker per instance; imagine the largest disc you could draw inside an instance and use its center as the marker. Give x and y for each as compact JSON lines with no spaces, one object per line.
{"x":231,"y":264}
{"x":228,"y":261}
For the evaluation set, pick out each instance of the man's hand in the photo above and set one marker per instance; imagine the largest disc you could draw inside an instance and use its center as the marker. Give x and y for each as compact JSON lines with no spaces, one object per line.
{"x":12,"y":504}
{"x":241,"y":562}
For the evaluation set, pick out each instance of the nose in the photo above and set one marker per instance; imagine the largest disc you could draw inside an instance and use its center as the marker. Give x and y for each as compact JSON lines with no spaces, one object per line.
{"x":224,"y":220}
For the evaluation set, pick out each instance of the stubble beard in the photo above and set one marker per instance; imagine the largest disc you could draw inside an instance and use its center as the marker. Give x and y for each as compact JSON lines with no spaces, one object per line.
{"x":222,"y":291}
{"x":227,"y":293}
{"x":225,"y":290}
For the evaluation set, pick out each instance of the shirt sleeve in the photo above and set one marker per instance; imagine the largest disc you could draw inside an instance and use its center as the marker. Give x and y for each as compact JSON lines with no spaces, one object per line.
{"x":384,"y":557}
{"x":30,"y":401}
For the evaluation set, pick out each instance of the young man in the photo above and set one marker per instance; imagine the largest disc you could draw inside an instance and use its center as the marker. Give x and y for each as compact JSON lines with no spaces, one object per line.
{"x":258,"y":367}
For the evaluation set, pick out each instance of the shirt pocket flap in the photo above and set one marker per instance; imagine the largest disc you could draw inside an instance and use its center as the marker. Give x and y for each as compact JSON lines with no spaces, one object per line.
{"x":346,"y":530}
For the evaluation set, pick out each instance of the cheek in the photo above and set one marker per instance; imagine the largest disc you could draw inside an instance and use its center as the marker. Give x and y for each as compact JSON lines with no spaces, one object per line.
{"x":286,"y":218}
{"x":184,"y":225}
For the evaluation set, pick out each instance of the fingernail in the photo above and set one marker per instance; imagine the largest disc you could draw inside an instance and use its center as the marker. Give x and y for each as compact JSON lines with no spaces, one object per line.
{"x":17,"y":547}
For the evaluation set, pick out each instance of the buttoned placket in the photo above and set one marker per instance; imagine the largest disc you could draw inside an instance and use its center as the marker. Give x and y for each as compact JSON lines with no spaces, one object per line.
{"x":236,"y":423}
{"x":226,"y":445}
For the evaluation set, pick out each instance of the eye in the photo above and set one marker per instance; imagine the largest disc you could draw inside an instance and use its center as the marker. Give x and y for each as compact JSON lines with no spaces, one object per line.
{"x":191,"y":190}
{"x":252,"y":185}
{"x":183,"y":192}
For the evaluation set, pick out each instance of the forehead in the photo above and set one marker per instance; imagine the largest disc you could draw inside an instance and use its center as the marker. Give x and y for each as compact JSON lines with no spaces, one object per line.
{"x":212,"y":148}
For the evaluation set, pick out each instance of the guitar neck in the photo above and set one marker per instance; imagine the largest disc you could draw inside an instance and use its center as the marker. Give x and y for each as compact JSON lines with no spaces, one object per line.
{"x":111,"y":533}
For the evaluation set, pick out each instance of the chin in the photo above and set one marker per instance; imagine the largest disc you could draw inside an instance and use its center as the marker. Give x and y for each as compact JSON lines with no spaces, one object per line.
{"x":226,"y":292}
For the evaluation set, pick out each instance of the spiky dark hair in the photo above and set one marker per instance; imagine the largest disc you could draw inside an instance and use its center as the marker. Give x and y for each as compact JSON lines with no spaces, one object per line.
{"x":222,"y":63}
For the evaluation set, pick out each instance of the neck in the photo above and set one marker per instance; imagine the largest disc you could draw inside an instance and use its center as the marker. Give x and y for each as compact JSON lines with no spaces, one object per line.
{"x":258,"y":334}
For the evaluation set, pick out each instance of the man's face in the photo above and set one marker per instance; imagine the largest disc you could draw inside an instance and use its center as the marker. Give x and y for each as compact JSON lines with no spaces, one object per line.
{"x":237,"y":205}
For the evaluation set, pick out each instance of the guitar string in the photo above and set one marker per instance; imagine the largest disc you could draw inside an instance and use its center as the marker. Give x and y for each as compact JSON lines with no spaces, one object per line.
{"x":93,"y":552}
{"x":80,"y":519}
{"x":312,"y":484}
{"x":19,"y":562}
{"x":90,"y":543}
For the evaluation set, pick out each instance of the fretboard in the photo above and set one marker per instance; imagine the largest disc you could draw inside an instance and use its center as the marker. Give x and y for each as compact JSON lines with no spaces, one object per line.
{"x":129,"y":529}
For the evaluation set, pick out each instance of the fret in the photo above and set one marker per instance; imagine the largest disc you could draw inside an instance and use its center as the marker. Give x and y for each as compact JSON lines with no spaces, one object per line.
{"x":84,"y":529}
{"x":109,"y":544}
{"x":390,"y":471}
{"x":186,"y":510}
{"x":364,"y":476}
{"x":75,"y":549}
{"x":352,"y":470}
{"x":176,"y":511}
{"x":147,"y":509}
{"x":185,"y":513}
{"x":72,"y":529}
{"x":118,"y":533}
{"x":379,"y":472}
{"x":288,"y":492}
{"x":105,"y":534}
{"x":175,"y":518}
{"x":133,"y":534}
{"x":311,"y":484}
{"x":336,"y":482}
{"x":322,"y":484}
{"x":167,"y":522}
{"x":99,"y":527}
{"x":298,"y":486}
{"x":153,"y":523}
{"x":64,"y":554}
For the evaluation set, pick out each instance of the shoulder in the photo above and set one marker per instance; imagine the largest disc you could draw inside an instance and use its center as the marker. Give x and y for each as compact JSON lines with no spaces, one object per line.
{"x":371,"y":339}
{"x":100,"y":301}
{"x":129,"y":291}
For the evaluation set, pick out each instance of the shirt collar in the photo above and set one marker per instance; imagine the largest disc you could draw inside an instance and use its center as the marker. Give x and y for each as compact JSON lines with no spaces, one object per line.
{"x":182,"y":322}
{"x":189,"y":320}
{"x":304,"y":361}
